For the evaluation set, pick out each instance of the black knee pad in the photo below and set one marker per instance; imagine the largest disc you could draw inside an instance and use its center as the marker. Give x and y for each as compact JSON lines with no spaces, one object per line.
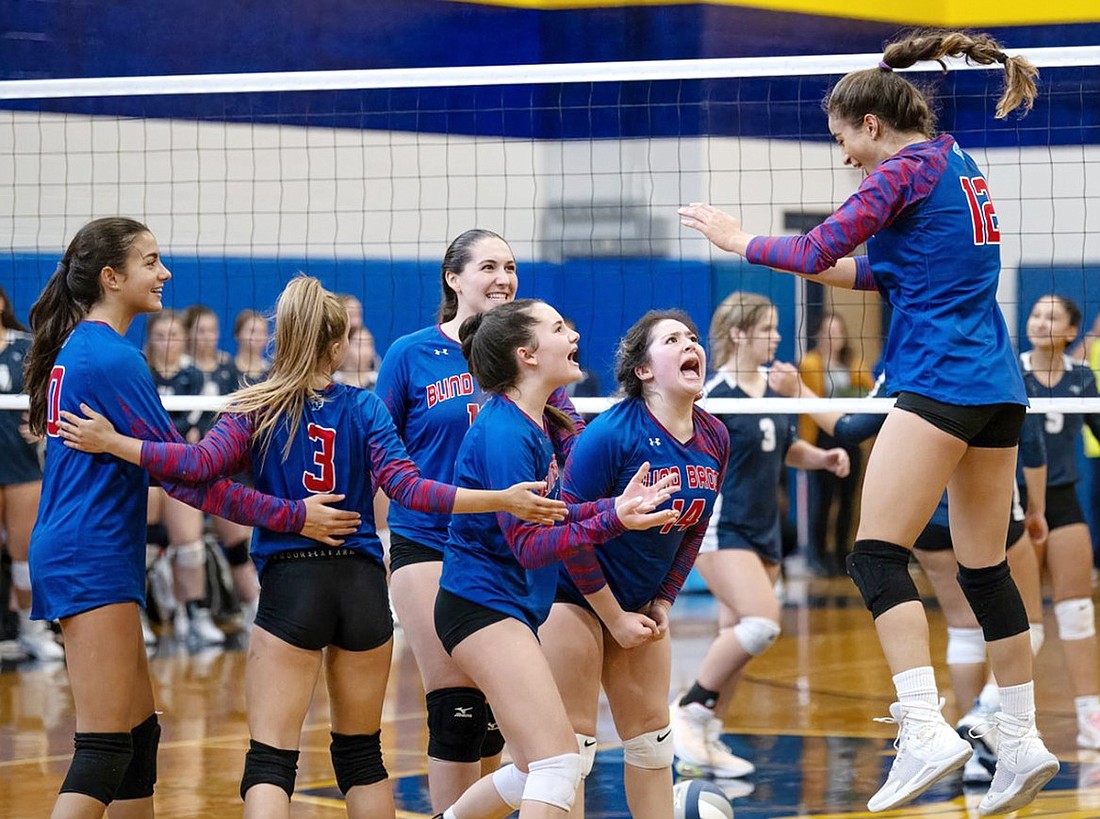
{"x":157,"y":534}
{"x":264,"y":765}
{"x":881,"y":573}
{"x":99,"y":764}
{"x":357,"y":759}
{"x":493,"y":743}
{"x":456,"y":724}
{"x":996,"y":601}
{"x":237,"y":553}
{"x":141,"y":775}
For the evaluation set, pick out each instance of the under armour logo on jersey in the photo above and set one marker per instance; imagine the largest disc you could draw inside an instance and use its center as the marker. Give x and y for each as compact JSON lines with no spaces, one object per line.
{"x":463,"y":712}
{"x":443,"y":352}
{"x":1075,"y":389}
{"x":654,"y":441}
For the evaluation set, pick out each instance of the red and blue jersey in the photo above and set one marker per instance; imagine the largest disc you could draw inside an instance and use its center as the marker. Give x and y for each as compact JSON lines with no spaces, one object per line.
{"x":641,"y":566}
{"x":346,"y":443}
{"x":1062,"y":431}
{"x":18,"y":459}
{"x":933,"y":252}
{"x":88,"y":544}
{"x":495,"y":559}
{"x":427,"y":386}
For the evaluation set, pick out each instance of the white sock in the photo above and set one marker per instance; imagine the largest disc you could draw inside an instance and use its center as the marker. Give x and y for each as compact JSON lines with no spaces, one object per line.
{"x":449,"y":813}
{"x":990,"y":698}
{"x":1019,"y":700}
{"x":917,"y":685}
{"x":1086,"y":706}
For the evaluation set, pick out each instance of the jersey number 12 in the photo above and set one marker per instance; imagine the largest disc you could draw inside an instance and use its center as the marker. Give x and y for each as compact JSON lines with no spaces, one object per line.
{"x":986,"y":229}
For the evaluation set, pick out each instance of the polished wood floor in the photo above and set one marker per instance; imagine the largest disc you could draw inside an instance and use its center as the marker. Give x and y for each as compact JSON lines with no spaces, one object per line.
{"x":803,"y":715}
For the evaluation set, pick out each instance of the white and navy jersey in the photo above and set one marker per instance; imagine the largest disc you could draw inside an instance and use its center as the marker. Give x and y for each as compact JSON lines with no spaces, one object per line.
{"x":1062,"y":431}
{"x":426,"y":383}
{"x":88,"y":545}
{"x":748,"y":509}
{"x":184,"y":381}
{"x":222,"y":380}
{"x":495,"y":559}
{"x":18,"y":459}
{"x":640,"y":566}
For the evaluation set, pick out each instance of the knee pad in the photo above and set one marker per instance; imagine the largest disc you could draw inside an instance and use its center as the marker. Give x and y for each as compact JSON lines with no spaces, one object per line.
{"x":156,"y":534}
{"x":1038,"y":634}
{"x":237,"y":553}
{"x":510,"y":782}
{"x":587,"y":746}
{"x":264,"y":765}
{"x":756,"y":634}
{"x":357,"y":759}
{"x":493,"y":743}
{"x":996,"y":601}
{"x":189,"y":555}
{"x":880,"y":571}
{"x":554,"y":780}
{"x":99,"y":763}
{"x":456,"y":724}
{"x":965,"y":646}
{"x":652,"y":750}
{"x":21,"y":574}
{"x":1076,"y":619}
{"x":141,"y":775}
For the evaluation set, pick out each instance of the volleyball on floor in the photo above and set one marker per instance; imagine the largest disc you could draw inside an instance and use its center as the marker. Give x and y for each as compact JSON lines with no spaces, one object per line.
{"x":699,"y":799}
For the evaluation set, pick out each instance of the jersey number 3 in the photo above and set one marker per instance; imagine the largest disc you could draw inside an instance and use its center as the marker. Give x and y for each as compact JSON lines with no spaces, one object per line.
{"x":986,"y":229}
{"x":322,"y":459}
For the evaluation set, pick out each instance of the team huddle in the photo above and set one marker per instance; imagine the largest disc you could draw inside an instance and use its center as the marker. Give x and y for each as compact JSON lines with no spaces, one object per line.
{"x":519,"y":531}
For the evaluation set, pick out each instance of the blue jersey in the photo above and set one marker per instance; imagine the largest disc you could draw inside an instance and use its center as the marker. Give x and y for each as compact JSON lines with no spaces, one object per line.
{"x":748,"y":509}
{"x":18,"y":459}
{"x":640,"y":566}
{"x":1062,"y":431}
{"x":494,"y":559}
{"x":427,"y":386}
{"x":88,"y":545}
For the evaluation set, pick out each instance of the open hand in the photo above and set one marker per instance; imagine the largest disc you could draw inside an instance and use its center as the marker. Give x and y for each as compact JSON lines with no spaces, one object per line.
{"x":636,"y":504}
{"x":326,"y":523}
{"x":524,"y":502}
{"x":92,"y":434}
{"x":723,"y":231}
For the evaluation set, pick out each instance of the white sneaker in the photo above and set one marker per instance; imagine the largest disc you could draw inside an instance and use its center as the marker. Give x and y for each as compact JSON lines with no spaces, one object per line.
{"x":1024,"y":765}
{"x":1088,"y":730}
{"x":928,"y":749}
{"x":700,"y":752}
{"x":977,"y":727}
{"x":37,"y":640}
{"x":203,"y":630}
{"x":976,"y":772}
{"x":11,"y":651}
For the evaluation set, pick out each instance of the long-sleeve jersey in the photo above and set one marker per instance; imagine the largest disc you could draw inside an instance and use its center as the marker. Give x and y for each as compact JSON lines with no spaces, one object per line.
{"x":427,"y":386}
{"x":1062,"y":431}
{"x":641,"y":566}
{"x":933,"y":252}
{"x":346,"y":443}
{"x":497,"y":560}
{"x":88,"y":544}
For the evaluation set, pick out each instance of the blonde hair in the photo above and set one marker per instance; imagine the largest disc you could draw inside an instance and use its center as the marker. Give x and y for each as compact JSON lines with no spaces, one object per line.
{"x":308,"y":320}
{"x":739,"y":310}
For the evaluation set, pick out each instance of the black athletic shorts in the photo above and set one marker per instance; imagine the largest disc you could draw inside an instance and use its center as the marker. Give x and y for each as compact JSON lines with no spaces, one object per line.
{"x":405,"y":552}
{"x":993,"y":426}
{"x":1063,"y":507}
{"x":456,"y":618}
{"x":936,"y":538}
{"x":337,"y":599}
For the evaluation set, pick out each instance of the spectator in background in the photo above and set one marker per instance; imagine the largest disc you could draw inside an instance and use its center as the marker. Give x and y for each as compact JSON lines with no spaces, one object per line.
{"x":252,"y":333}
{"x":831,"y":369}
{"x":355,"y":311}
{"x":360,"y":365}
{"x":1087,"y":350}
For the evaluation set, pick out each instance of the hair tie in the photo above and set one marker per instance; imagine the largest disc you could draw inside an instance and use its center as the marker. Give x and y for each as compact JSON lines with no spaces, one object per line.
{"x":62,"y":268}
{"x":883,"y":66}
{"x":1001,"y":57}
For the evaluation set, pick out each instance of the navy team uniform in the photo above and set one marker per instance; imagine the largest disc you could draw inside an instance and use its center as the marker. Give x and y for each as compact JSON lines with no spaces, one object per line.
{"x":641,"y":566}
{"x":426,"y":383}
{"x":19,"y":463}
{"x":496,"y":566}
{"x":222,"y":380}
{"x":747,"y":512}
{"x":1062,"y":433}
{"x":185,"y":381}
{"x":88,"y":545}
{"x":312,"y":596}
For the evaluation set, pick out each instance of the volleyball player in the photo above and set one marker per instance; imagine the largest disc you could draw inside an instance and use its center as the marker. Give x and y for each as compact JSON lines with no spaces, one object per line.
{"x":933,"y":251}
{"x":20,"y":486}
{"x":499,"y":574}
{"x":741,"y":558}
{"x":87,"y":552}
{"x":1052,"y":325}
{"x":609,"y":621}
{"x":426,"y":383}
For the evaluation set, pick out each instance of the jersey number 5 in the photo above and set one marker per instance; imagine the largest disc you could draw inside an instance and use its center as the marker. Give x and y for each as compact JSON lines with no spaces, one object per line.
{"x":323,"y":459}
{"x":986,"y":229}
{"x":53,"y":402}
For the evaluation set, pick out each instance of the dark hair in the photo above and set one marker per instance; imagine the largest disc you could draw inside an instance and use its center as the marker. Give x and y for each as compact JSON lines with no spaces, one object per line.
{"x":633,"y":350}
{"x":458,"y":255}
{"x":844,"y":354}
{"x":8,"y":321}
{"x":246,"y":316}
{"x":193,"y":313}
{"x":1073,"y":312}
{"x":903,"y":105}
{"x":69,"y":294}
{"x":489,"y":342}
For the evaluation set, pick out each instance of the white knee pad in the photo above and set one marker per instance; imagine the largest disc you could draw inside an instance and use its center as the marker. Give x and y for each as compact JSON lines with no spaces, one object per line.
{"x":756,"y":634}
{"x":510,"y":782}
{"x":1038,"y":634}
{"x":1076,"y":618}
{"x":190,"y":555}
{"x":587,"y":746}
{"x":554,"y":780}
{"x":652,"y":750}
{"x":965,"y":646}
{"x":20,"y":575}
